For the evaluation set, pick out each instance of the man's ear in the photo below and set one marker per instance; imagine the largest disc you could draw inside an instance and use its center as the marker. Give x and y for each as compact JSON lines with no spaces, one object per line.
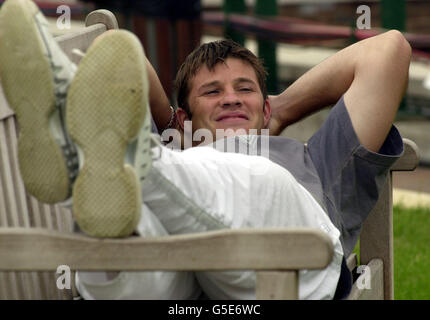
{"x":181,"y":116}
{"x":267,"y":112}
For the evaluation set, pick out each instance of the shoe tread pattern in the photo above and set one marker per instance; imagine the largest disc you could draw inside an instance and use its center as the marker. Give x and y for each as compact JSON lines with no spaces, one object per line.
{"x":105,"y":112}
{"x":27,"y":81}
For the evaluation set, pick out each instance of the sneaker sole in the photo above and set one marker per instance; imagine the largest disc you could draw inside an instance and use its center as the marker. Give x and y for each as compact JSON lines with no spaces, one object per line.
{"x":27,"y":81}
{"x":106,"y":108}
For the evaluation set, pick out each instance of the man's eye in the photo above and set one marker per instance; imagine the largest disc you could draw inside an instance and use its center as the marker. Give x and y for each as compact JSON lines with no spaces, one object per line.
{"x":211,"y":92}
{"x":245,"y":89}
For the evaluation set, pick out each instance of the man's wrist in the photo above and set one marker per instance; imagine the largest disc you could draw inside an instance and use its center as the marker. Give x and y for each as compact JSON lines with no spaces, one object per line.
{"x":172,"y":120}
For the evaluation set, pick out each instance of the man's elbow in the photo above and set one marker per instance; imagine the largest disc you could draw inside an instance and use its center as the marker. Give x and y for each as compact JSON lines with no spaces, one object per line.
{"x":397,"y":44}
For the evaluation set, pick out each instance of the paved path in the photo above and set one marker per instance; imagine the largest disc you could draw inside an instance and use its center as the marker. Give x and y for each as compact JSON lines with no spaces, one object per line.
{"x":412,"y":188}
{"x":418,"y":180}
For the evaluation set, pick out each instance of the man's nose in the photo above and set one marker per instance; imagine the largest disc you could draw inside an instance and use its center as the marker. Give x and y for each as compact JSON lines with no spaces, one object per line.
{"x":231,"y":98}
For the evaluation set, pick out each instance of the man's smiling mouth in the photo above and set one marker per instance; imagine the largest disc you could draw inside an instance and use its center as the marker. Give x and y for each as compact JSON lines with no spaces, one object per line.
{"x":232,"y":117}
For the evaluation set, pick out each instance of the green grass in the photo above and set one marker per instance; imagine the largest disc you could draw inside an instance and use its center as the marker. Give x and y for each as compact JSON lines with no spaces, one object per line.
{"x":411,"y":253}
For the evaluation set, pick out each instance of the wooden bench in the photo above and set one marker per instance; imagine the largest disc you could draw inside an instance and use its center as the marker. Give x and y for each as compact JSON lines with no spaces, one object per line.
{"x":36,"y":238}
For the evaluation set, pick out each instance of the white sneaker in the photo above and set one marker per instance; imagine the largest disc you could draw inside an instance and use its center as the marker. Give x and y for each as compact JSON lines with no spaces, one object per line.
{"x":109,"y":120}
{"x":35,"y":75}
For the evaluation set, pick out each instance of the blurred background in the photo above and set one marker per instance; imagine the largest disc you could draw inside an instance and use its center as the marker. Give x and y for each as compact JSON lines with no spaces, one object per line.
{"x":292,"y":36}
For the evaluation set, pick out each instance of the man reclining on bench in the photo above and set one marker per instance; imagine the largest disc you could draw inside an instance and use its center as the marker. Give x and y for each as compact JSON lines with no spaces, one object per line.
{"x":85,"y":141}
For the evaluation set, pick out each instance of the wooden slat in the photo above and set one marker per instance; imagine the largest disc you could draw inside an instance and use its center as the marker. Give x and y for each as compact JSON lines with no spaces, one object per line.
{"x":25,"y":282}
{"x":42,"y":217}
{"x":49,"y":277}
{"x":6,"y":290}
{"x":58,"y":218}
{"x":3,"y":216}
{"x":48,"y":216}
{"x":39,"y":218}
{"x":96,"y":23}
{"x":6,"y":175}
{"x":33,"y":279}
{"x":11,"y":281}
{"x":3,"y":289}
{"x":410,"y":158}
{"x":376,"y":240}
{"x":5,"y":110}
{"x":42,"y":279}
{"x":53,"y":221}
{"x":34,"y":211}
{"x":102,"y":16}
{"x":3,"y":184}
{"x":376,"y":277}
{"x":79,"y":40}
{"x":264,"y":249}
{"x":67,"y":220}
{"x":18,"y":185}
{"x":35,"y":221}
{"x":53,"y":292}
{"x":277,"y":285}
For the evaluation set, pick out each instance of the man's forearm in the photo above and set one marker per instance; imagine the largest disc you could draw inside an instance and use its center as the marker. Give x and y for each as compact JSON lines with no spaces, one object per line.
{"x":158,"y":100}
{"x":321,"y":86}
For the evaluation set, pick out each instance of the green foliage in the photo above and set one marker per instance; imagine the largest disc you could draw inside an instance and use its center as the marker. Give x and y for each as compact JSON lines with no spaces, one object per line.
{"x":411,"y":253}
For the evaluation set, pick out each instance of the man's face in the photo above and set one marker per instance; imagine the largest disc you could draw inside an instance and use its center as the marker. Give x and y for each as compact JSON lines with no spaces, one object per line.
{"x":228,"y":97}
